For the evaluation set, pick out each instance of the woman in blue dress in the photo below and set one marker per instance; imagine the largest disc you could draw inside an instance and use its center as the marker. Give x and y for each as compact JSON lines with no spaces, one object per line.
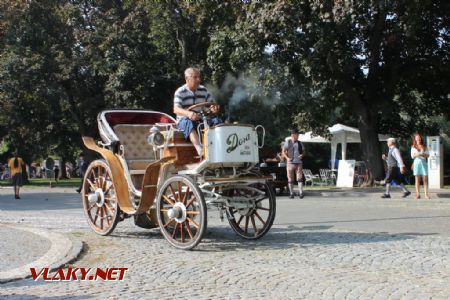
{"x":420,"y":154}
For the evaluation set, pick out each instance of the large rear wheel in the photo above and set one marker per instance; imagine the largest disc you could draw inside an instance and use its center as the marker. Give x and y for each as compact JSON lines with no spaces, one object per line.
{"x":99,"y":198}
{"x":253,"y":220}
{"x":181,"y":212}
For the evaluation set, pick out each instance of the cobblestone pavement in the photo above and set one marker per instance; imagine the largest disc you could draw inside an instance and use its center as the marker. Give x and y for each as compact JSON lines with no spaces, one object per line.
{"x":30,"y":244}
{"x":322,"y":257}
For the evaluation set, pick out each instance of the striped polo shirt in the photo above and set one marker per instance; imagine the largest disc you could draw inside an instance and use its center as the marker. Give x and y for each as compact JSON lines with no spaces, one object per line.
{"x":184,"y":97}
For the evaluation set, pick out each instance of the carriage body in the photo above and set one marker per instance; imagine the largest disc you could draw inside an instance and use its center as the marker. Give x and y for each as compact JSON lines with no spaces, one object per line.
{"x":161,"y":181}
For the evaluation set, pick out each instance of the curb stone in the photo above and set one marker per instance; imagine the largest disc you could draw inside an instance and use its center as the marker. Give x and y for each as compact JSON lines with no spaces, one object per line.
{"x":63,"y":250}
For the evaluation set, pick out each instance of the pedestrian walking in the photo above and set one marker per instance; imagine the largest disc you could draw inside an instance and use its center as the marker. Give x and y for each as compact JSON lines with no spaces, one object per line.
{"x":293,"y":152}
{"x":56,"y":171}
{"x":420,"y":154}
{"x":395,"y":169}
{"x":82,"y":167}
{"x":15,"y":166}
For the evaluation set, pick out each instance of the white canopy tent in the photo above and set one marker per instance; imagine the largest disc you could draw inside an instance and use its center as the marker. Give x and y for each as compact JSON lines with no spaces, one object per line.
{"x":339,"y":134}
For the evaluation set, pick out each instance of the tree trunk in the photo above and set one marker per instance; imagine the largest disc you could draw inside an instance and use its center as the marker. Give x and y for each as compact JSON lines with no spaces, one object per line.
{"x":368,"y":131}
{"x":368,"y":120}
{"x":367,"y":126}
{"x":183,"y":45}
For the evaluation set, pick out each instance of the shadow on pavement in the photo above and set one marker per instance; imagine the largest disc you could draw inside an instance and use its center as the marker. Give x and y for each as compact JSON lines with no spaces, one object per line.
{"x":418,"y":233}
{"x":41,"y":201}
{"x":138,"y":234}
{"x":224,"y":239}
{"x":284,"y":238}
{"x":365,"y":220}
{"x":24,"y":297}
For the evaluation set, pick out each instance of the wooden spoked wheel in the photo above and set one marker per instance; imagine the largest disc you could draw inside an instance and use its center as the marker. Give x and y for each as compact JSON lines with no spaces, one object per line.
{"x":99,"y":198}
{"x":255,"y":220}
{"x":181,"y":212}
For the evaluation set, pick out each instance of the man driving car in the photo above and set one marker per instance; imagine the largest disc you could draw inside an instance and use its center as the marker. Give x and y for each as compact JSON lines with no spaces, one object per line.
{"x":189,"y":94}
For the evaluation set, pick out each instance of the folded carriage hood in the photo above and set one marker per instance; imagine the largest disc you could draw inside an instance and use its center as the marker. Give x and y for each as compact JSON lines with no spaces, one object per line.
{"x":109,"y":118}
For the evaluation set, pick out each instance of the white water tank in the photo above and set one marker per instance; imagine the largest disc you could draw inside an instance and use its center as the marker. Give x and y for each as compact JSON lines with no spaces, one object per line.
{"x":232,"y":144}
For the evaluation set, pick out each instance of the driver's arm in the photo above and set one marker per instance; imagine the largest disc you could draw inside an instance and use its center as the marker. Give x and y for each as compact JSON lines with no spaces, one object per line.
{"x":179,"y":111}
{"x":215,"y":108}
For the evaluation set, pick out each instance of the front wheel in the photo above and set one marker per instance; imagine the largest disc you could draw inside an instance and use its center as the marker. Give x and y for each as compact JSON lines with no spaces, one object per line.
{"x":181,"y":212}
{"x":99,"y":198}
{"x":254,"y":220}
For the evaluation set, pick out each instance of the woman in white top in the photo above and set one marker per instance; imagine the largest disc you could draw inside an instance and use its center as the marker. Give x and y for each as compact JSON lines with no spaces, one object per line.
{"x":420,"y":154}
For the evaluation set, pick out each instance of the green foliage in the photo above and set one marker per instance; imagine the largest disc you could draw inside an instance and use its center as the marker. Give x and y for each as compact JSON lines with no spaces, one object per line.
{"x":377,"y":65}
{"x":62,"y":62}
{"x":3,"y":148}
{"x":45,"y":182}
{"x":380,"y":66}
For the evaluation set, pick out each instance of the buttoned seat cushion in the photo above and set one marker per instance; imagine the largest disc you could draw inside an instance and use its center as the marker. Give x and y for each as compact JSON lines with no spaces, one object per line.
{"x":137,"y":152}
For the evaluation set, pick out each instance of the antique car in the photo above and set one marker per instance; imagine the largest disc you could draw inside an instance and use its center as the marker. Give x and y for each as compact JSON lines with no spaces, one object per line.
{"x":148,"y":171}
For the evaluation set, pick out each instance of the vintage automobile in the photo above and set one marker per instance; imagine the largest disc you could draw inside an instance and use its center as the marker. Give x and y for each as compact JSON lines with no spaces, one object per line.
{"x":150,"y":172}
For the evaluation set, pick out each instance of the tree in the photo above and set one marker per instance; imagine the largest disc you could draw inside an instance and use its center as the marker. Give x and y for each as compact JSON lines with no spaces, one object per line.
{"x":26,"y":73}
{"x":63,"y":62}
{"x":381,"y":65}
{"x":186,"y":28}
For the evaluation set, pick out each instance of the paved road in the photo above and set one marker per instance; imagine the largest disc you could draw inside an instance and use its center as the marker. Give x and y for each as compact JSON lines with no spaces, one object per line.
{"x":319,"y":247}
